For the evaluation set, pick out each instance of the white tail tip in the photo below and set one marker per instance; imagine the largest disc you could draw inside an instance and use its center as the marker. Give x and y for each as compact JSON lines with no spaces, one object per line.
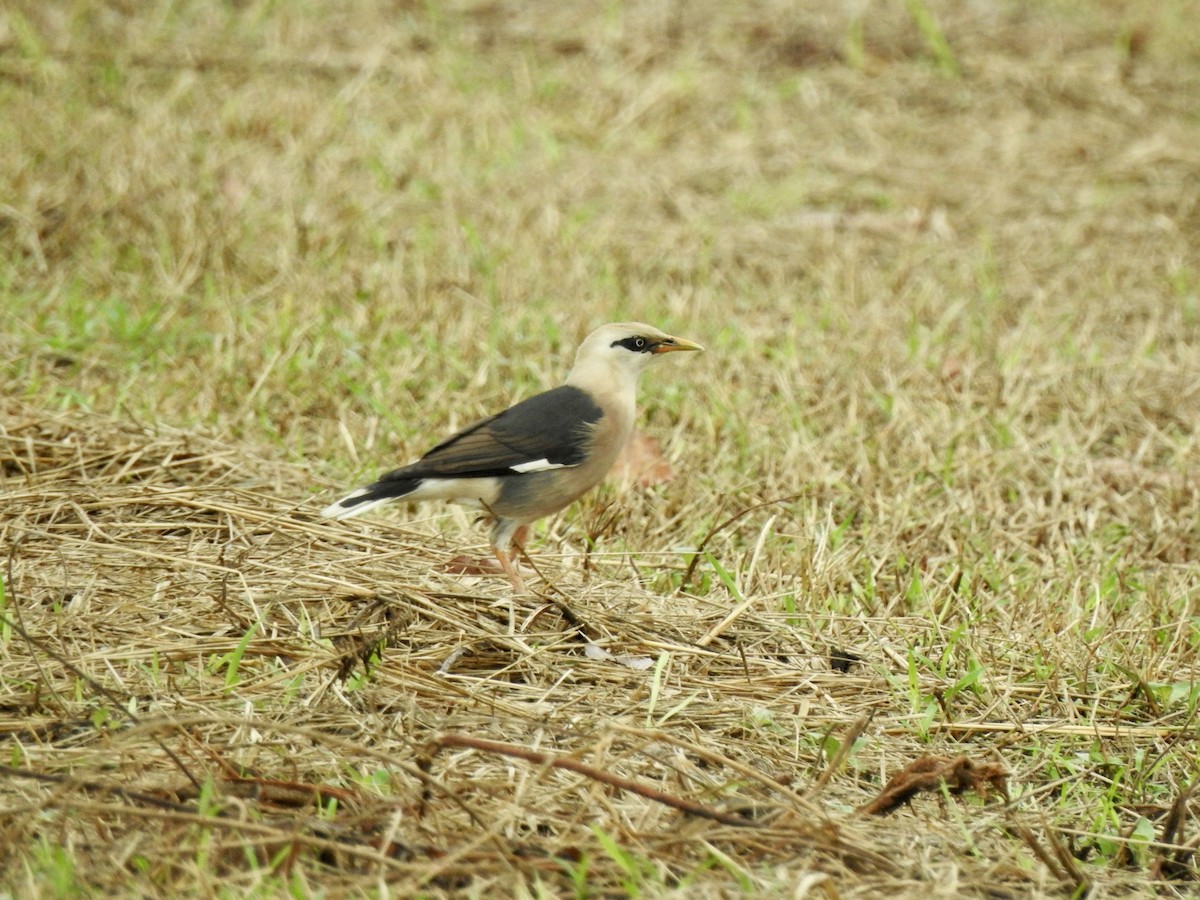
{"x":340,"y":510}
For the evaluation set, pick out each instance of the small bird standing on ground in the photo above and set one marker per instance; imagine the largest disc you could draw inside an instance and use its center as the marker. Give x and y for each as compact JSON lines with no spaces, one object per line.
{"x":539,"y":456}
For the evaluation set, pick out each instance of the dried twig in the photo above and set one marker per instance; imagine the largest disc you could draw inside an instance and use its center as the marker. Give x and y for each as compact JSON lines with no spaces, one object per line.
{"x":574,"y":765}
{"x":718,"y":528}
{"x":1176,"y":865}
{"x":1047,"y":859}
{"x":722,"y":760}
{"x":845,"y":748}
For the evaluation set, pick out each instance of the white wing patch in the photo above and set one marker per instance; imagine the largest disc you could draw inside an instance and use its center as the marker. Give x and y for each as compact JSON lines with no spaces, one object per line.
{"x":538,"y":465}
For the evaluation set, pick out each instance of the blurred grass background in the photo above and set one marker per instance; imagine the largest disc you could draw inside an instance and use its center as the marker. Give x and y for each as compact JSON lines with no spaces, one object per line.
{"x":338,"y":206}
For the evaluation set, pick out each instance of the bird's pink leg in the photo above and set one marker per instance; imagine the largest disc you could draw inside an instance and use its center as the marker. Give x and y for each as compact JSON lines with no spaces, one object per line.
{"x":510,"y":570}
{"x":520,"y":535}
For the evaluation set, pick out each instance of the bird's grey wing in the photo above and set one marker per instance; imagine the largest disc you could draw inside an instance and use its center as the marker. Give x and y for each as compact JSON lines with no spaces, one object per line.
{"x":548,"y":431}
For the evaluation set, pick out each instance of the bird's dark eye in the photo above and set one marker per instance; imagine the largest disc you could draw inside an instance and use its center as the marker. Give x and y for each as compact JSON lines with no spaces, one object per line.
{"x":634,"y":344}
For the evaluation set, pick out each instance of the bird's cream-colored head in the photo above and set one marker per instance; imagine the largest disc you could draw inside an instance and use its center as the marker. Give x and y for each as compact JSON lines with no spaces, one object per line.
{"x":615,"y":355}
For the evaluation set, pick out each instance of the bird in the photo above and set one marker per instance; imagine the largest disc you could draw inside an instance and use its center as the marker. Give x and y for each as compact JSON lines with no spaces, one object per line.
{"x":539,"y":456}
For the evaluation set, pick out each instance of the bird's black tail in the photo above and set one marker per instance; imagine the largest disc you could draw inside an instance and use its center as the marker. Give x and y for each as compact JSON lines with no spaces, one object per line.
{"x":385,"y":490}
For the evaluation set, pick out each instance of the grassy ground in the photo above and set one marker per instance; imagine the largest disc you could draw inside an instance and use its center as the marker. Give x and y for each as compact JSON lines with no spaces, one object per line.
{"x":943,"y":256}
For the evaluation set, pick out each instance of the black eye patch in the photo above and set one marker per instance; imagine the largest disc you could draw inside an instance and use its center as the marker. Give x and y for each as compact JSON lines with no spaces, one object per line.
{"x":636,"y":344}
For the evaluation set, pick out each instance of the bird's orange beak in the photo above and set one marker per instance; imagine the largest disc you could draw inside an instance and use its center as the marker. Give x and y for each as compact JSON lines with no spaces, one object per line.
{"x":670,"y":344}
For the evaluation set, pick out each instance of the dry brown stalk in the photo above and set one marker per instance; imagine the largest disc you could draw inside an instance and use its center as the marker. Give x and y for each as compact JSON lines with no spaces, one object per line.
{"x":749,"y":771}
{"x":573,"y":765}
{"x":845,"y":748}
{"x":698,"y":554}
{"x":1176,"y":864}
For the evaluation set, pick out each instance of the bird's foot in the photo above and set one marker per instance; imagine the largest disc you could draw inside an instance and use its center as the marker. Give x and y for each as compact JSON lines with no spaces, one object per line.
{"x":474,"y":565}
{"x":510,"y":569}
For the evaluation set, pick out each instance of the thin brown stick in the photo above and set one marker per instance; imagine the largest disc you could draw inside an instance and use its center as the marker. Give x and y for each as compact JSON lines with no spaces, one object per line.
{"x":1175,"y":863}
{"x":716,"y":529}
{"x":96,"y":787}
{"x":273,"y":791}
{"x":1047,"y":859}
{"x":573,"y":765}
{"x":843,"y":753}
{"x":721,"y":760}
{"x":1069,"y":864}
{"x":1028,"y":730}
{"x":241,"y":826}
{"x":572,"y":618}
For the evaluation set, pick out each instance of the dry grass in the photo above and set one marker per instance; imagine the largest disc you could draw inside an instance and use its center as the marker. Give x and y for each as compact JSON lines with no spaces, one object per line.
{"x":943,"y":257}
